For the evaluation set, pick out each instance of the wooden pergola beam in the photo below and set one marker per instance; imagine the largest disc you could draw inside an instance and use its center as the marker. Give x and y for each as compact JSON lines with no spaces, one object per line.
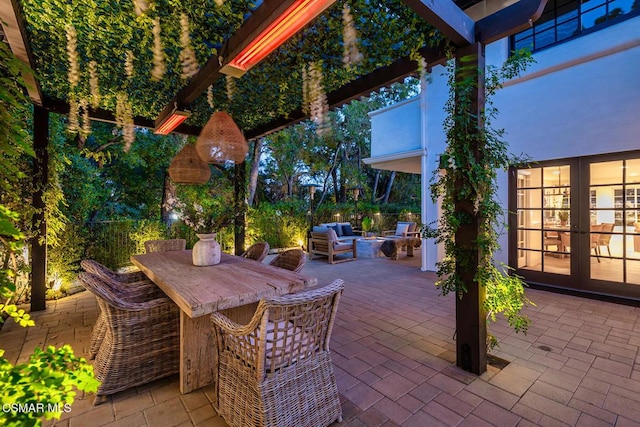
{"x":510,"y":20}
{"x":13,"y":27}
{"x":362,"y":86}
{"x":447,"y":18}
{"x":61,"y":107}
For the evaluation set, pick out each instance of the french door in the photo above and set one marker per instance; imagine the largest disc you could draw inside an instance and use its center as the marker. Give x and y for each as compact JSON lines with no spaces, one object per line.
{"x":575,"y":224}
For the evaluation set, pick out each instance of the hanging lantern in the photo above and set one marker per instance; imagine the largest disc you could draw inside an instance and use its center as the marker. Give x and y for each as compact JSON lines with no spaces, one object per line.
{"x":221,"y":140}
{"x":187,"y":168}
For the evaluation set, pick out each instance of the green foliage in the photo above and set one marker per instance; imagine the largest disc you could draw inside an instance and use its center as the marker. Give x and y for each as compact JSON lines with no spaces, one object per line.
{"x":146,"y":230}
{"x":44,"y":385}
{"x":205,"y":208}
{"x":51,"y":376}
{"x":106,"y":30}
{"x":282,"y":225}
{"x":367,"y":223}
{"x":505,"y":294}
{"x":63,"y":259}
{"x":472,"y":159}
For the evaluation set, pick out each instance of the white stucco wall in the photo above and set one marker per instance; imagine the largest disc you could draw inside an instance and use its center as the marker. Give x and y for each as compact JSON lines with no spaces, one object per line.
{"x":581,"y":98}
{"x":394,"y":130}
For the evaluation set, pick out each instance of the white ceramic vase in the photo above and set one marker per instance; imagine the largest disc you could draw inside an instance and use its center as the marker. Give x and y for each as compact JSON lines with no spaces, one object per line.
{"x":206,"y":251}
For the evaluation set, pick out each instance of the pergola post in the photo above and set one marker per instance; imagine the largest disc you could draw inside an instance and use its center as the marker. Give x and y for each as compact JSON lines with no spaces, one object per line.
{"x":240,"y":193}
{"x":471,"y":326}
{"x":39,"y":223}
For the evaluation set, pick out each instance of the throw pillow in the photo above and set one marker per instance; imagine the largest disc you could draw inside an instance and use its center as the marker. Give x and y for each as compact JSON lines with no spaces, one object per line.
{"x":347,"y":230}
{"x":337,"y":229}
{"x":331,"y":235}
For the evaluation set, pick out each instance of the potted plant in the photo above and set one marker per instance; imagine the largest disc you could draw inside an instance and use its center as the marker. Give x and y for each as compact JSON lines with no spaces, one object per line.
{"x":367,"y":224}
{"x":563,"y":216}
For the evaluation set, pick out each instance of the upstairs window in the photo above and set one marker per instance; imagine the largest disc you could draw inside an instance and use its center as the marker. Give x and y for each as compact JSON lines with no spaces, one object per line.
{"x":566,"y":19}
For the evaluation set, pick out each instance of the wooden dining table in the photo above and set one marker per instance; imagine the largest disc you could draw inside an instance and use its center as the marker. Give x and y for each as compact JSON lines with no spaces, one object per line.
{"x":234,"y":287}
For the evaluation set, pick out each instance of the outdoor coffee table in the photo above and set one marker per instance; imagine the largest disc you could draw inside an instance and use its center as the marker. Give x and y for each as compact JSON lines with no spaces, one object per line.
{"x":391,"y":245}
{"x":233,"y":287}
{"x":369,"y":248}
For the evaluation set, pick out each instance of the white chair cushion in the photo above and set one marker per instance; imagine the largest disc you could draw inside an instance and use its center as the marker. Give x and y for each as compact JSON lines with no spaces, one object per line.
{"x":286,"y":331}
{"x":401,"y":229}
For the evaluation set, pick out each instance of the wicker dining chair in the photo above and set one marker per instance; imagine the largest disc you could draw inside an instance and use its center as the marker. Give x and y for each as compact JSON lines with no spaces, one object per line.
{"x":135,"y":285}
{"x":277,"y":370}
{"x":257,"y":252}
{"x":165,"y":245}
{"x":292,"y":259}
{"x":141,"y":343}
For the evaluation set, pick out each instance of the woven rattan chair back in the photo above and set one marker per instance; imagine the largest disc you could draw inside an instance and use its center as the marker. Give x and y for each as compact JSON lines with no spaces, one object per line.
{"x":277,"y":370}
{"x":135,"y":286}
{"x":94,"y":267}
{"x":165,"y":245}
{"x":141,"y":341}
{"x":292,"y":259}
{"x":257,"y":252}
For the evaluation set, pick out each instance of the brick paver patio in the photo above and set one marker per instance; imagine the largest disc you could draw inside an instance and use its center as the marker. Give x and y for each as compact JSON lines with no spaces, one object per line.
{"x":394,"y":355}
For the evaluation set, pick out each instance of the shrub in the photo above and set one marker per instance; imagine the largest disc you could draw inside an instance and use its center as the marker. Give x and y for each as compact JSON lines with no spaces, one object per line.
{"x":146,"y":230}
{"x":63,"y":259}
{"x":282,"y":225}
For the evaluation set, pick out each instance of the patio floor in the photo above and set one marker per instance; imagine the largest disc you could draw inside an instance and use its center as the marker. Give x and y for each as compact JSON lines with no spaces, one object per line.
{"x":394,"y":354}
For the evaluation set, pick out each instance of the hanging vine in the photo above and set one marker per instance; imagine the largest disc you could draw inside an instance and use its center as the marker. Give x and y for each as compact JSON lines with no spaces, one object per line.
{"x":210,"y":97}
{"x":187,"y":55}
{"x":94,"y":84}
{"x":351,"y":54}
{"x":159,"y":67}
{"x":467,"y":178}
{"x":158,"y":37}
{"x":318,"y":104}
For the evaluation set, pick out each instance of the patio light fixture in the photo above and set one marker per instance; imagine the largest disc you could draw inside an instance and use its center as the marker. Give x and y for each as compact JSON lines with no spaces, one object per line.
{"x":296,"y":16}
{"x":166,"y":125}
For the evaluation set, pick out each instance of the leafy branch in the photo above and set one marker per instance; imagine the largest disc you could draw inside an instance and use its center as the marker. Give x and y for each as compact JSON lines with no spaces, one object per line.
{"x":50,"y":376}
{"x":470,"y":178}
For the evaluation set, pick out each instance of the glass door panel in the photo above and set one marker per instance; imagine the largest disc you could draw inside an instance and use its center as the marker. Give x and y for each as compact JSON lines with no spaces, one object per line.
{"x":589,"y":242}
{"x":615,"y":200}
{"x":543,"y":219}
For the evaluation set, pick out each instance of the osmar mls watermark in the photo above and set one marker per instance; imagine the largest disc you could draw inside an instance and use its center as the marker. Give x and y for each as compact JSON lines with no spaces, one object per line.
{"x":36,"y":407}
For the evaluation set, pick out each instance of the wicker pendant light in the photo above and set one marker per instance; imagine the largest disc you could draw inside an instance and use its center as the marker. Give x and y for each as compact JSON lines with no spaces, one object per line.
{"x":221,"y":140}
{"x":187,"y":168}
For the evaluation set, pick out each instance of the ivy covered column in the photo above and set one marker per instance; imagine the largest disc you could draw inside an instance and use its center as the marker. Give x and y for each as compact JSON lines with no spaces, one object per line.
{"x":471,"y":326}
{"x":39,"y":223}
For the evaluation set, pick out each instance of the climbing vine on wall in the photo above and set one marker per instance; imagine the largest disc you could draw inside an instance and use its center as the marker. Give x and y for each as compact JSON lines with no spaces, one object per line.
{"x":471,"y":177}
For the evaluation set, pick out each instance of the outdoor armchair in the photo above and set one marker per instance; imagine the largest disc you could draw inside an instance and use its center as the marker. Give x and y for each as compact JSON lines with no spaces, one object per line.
{"x":141,"y":342}
{"x":277,"y":370}
{"x":403,"y":229}
{"x":257,"y":252}
{"x":327,"y":244}
{"x":165,"y":245}
{"x":134,"y":285}
{"x":94,"y":267}
{"x":292,"y":259}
